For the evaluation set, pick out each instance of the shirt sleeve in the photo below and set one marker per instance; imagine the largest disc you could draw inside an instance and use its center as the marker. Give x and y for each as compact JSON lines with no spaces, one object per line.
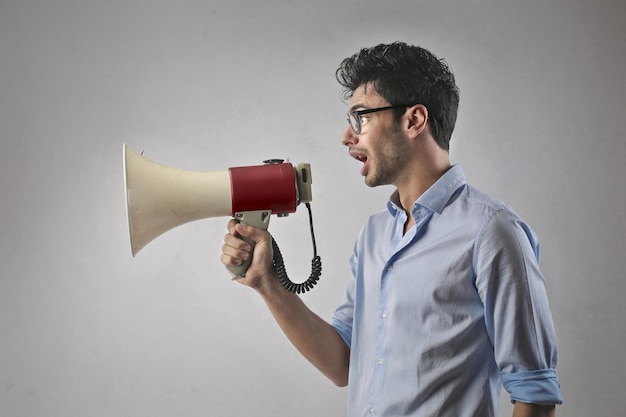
{"x":344,"y":314}
{"x":342,"y":318}
{"x":517,"y":313}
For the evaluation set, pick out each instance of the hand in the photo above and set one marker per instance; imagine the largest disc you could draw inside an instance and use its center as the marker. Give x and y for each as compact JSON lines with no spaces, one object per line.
{"x":236,"y":250}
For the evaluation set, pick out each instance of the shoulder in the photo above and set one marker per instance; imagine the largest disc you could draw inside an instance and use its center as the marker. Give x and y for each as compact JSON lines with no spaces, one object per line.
{"x":495,"y":224}
{"x":484,"y":208}
{"x":479,"y":200}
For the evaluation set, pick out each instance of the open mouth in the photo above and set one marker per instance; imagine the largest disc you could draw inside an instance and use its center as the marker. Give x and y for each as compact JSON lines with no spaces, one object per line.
{"x":361,"y":158}
{"x":358,"y":156}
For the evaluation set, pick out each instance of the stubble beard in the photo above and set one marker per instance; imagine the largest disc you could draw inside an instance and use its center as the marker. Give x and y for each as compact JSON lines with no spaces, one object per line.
{"x":389,"y":158}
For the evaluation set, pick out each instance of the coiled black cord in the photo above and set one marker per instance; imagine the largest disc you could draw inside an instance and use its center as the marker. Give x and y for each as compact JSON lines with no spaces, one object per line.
{"x":316,"y":265}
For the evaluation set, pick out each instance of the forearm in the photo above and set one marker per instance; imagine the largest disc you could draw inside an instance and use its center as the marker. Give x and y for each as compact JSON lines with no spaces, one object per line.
{"x":314,"y":338}
{"x":533,"y":410}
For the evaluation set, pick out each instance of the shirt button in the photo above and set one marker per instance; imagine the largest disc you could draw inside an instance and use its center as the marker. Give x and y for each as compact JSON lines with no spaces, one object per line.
{"x":380,"y":361}
{"x":389,"y":268}
{"x":372,"y":410}
{"x":383,"y":314}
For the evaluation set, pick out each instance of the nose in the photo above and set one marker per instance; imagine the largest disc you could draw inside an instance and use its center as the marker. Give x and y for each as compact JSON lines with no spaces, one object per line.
{"x":349,"y":137}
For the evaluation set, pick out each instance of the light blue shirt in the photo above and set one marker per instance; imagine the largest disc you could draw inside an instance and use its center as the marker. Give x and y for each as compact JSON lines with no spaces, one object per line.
{"x":437,"y":320}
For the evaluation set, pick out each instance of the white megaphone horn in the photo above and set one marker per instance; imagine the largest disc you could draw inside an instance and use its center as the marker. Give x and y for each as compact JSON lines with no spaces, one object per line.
{"x":160,"y":198}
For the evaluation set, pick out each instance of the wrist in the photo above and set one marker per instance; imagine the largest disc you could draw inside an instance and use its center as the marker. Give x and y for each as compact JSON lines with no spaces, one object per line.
{"x":268,"y":286}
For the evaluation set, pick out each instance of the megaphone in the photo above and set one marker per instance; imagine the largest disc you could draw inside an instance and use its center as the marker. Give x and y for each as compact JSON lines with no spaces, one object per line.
{"x":160,"y":198}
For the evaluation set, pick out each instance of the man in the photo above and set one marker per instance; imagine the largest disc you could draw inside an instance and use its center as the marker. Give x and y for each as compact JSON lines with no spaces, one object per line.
{"x":446,"y":302}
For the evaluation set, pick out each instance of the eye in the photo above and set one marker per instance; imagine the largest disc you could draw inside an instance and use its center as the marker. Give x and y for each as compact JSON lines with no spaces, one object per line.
{"x":363,"y":119}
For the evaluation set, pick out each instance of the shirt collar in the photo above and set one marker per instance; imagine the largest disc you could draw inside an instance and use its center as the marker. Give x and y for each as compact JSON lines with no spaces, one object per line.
{"x":436,"y":198}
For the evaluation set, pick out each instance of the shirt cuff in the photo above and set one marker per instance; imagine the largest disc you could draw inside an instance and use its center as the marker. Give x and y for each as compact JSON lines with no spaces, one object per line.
{"x":536,"y":387}
{"x":344,"y":331}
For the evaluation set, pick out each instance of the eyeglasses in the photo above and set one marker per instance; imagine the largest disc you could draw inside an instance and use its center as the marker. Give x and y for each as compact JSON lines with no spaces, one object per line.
{"x":354,"y":117}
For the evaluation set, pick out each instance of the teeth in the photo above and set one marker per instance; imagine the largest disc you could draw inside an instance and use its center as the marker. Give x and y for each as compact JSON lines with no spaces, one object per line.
{"x":358,"y":157}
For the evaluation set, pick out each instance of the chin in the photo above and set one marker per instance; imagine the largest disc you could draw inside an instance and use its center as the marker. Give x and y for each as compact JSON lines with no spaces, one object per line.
{"x":372,"y":182}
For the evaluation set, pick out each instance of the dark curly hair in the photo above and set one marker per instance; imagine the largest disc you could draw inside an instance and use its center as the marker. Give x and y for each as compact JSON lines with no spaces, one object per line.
{"x":406,"y":74}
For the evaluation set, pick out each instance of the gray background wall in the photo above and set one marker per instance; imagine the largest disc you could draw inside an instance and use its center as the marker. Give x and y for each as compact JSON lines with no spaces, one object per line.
{"x":86,"y":330}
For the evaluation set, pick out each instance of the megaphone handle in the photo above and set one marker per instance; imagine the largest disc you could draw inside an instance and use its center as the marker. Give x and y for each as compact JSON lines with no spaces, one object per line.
{"x":256,"y":218}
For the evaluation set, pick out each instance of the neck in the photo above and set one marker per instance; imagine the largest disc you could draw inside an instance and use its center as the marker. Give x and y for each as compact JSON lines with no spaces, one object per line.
{"x":421,"y":175}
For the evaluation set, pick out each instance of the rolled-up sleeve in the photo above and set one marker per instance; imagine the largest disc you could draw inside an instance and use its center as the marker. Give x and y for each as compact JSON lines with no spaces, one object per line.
{"x":537,"y":387}
{"x":517,"y":313}
{"x":344,"y":315}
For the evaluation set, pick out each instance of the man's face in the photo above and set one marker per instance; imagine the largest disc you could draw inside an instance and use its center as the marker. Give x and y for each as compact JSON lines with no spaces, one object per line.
{"x":381,"y":146}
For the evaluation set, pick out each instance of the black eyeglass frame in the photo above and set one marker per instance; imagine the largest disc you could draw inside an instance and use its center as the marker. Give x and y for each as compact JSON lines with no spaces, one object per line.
{"x":354,"y":117}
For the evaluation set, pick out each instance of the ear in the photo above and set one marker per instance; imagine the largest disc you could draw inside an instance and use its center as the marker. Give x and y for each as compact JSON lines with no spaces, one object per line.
{"x":416,"y":119}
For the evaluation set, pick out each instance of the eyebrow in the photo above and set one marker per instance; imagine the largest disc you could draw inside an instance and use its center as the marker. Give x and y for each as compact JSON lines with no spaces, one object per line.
{"x":358,"y":106}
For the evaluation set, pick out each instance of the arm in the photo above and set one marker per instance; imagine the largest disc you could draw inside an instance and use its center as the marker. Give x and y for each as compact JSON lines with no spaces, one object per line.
{"x":517,"y":313}
{"x":533,"y":410}
{"x":314,"y":338}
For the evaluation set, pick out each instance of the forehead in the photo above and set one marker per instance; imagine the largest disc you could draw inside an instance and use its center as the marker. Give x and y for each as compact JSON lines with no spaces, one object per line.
{"x":366,"y":96}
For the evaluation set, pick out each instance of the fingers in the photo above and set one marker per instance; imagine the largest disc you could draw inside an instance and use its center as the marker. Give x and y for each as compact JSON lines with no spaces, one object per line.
{"x":245,"y":243}
{"x":235,"y":250}
{"x":231,"y":226}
